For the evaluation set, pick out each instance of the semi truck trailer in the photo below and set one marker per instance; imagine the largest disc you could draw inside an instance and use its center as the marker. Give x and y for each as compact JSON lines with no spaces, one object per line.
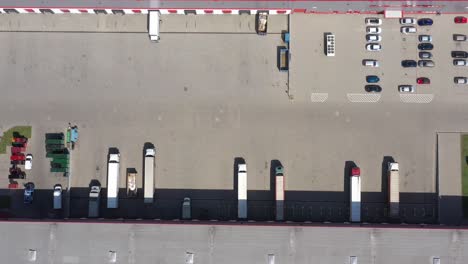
{"x":279,"y":192}
{"x":355,"y":195}
{"x":242,"y":191}
{"x":149,"y":175}
{"x":394,"y":189}
{"x":113,"y":170}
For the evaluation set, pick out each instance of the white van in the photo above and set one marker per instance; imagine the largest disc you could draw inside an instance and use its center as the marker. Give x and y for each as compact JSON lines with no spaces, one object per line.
{"x":154,"y":19}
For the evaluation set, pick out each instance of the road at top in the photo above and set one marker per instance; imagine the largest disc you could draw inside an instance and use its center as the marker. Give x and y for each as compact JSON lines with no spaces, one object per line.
{"x":301,"y":6}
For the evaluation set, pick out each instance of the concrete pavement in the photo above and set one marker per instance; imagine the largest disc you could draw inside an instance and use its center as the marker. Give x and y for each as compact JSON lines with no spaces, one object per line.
{"x":162,"y":243}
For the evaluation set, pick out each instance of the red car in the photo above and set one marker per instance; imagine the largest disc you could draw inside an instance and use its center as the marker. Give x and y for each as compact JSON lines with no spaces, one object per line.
{"x":17,"y":157}
{"x":15,"y":150}
{"x":460,"y":20}
{"x":423,"y":80}
{"x":20,"y":140}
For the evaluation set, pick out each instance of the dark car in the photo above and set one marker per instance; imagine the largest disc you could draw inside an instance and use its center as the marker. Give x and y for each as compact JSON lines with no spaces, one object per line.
{"x":408,"y":63}
{"x":372,"y":79}
{"x":28,"y":193}
{"x":425,"y":22}
{"x":425,"y":46}
{"x":459,"y":54}
{"x":423,"y":80}
{"x":371,"y":88}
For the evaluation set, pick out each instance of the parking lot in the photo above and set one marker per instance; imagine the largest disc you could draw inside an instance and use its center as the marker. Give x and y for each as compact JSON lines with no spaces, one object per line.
{"x":204,"y":99}
{"x":343,"y":76}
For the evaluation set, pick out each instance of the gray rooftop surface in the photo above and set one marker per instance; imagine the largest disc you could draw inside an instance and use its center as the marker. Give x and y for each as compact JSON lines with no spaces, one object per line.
{"x":170,"y":243}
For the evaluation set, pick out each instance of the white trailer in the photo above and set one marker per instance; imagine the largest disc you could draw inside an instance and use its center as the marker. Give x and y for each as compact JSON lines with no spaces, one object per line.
{"x":394,"y":189}
{"x":242,"y":191}
{"x":279,"y":193}
{"x":154,"y":20}
{"x":113,"y":170}
{"x":149,"y":175}
{"x":355,"y":195}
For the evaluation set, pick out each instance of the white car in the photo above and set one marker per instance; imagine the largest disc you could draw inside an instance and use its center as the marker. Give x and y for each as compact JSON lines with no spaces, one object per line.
{"x":406,"y":89}
{"x":459,"y":62}
{"x":28,"y":162}
{"x":373,"y":21}
{"x":425,"y":38}
{"x":408,"y":30}
{"x":407,"y":21}
{"x":373,"y":47}
{"x":373,"y":30}
{"x":460,"y":80}
{"x":373,"y":37}
{"x":370,"y":63}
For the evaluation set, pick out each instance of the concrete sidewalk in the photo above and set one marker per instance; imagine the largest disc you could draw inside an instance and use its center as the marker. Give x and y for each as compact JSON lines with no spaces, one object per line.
{"x":137,"y":23}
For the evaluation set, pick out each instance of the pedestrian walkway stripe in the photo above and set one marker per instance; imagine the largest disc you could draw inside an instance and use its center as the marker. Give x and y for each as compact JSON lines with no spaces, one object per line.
{"x":363,"y":98}
{"x":318,"y":97}
{"x":416,"y":98}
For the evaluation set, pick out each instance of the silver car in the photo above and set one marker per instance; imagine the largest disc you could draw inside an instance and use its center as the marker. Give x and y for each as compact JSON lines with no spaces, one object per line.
{"x":426,"y":63}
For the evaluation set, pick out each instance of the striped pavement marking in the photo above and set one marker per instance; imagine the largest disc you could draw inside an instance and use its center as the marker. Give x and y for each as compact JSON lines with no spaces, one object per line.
{"x":363,"y":98}
{"x":416,"y":98}
{"x":318,"y":97}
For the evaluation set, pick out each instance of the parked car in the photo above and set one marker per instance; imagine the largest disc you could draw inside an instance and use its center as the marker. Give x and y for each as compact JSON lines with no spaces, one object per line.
{"x":373,"y":30}
{"x":425,"y":46}
{"x":425,"y":55}
{"x":460,"y":80}
{"x":370,"y":63}
{"x":17,"y":157}
{"x":425,"y":38}
{"x":373,"y":47}
{"x":28,"y":162}
{"x":406,"y":88}
{"x":459,"y":62}
{"x":373,"y":21}
{"x":425,"y":63}
{"x":423,"y":80}
{"x":459,"y":37}
{"x":373,"y":37}
{"x":425,"y":22}
{"x":16,"y":173}
{"x":407,"y":21}
{"x":372,"y":79}
{"x":28,"y":193}
{"x":460,"y":20}
{"x":459,"y":54}
{"x":408,"y":63}
{"x":372,"y":88}
{"x":408,"y":30}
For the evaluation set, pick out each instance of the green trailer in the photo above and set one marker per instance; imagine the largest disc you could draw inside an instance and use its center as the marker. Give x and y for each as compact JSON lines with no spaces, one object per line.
{"x":57,"y":155}
{"x":54,"y":141}
{"x":55,"y":136}
{"x":58,"y":169}
{"x":62,"y":162}
{"x":54,"y":147}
